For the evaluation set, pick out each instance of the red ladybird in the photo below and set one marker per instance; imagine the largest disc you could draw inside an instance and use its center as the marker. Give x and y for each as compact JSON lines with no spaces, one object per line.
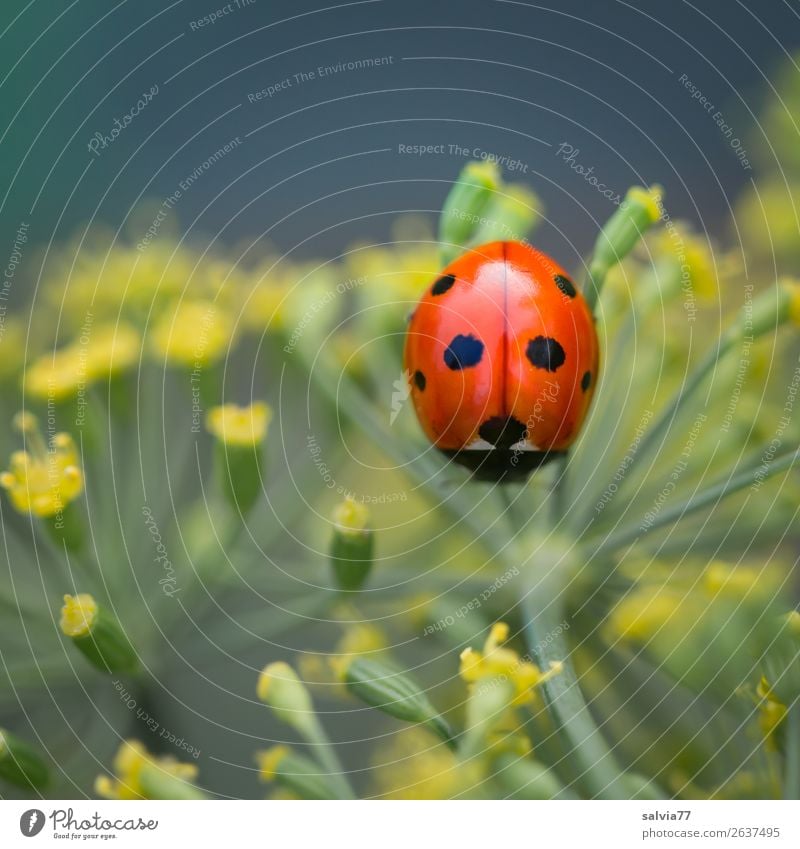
{"x":502,"y":358}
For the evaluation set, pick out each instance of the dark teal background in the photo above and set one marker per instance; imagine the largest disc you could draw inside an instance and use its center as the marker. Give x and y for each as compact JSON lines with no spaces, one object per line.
{"x":601,"y":76}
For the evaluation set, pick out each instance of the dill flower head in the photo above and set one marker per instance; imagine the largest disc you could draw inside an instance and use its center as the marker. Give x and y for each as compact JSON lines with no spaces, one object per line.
{"x":242,"y":426}
{"x":350,"y":516}
{"x":193,"y":334}
{"x":111,"y":349}
{"x":43,"y":479}
{"x":415,"y":765}
{"x":56,"y":375}
{"x":498,"y":661}
{"x":647,"y":200}
{"x":78,"y":615}
{"x":644,"y":611}
{"x":130,"y":762}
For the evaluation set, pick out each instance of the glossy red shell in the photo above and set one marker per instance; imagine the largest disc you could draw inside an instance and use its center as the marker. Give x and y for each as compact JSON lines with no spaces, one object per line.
{"x":538,"y":358}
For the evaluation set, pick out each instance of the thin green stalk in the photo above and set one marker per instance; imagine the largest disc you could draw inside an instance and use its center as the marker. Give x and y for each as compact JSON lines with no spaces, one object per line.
{"x":328,"y":759}
{"x":587,"y":746}
{"x":710,"y":496}
{"x":661,"y":425}
{"x":593,"y":286}
{"x":791,"y":781}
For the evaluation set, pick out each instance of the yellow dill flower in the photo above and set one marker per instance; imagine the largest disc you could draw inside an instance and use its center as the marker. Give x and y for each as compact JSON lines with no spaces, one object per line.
{"x":43,"y":479}
{"x":649,"y":200}
{"x":350,"y":516}
{"x":57,"y":375}
{"x":78,"y":615}
{"x":416,"y":765}
{"x":734,"y":581}
{"x":792,"y":286}
{"x":111,"y":349}
{"x":242,"y":426}
{"x":269,"y":760}
{"x":644,"y":611}
{"x":329,"y":670}
{"x":265,"y":306}
{"x":193,"y":334}
{"x":130,"y":762}
{"x":12,"y":345}
{"x":98,"y":353}
{"x":698,"y":265}
{"x":279,"y":688}
{"x":357,"y":640}
{"x":496,"y":661}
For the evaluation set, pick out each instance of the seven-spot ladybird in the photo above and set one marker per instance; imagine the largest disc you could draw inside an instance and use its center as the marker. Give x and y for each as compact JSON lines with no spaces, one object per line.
{"x":502,"y":357}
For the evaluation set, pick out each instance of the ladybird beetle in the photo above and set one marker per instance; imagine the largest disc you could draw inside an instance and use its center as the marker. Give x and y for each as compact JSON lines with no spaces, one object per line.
{"x":501,"y":356}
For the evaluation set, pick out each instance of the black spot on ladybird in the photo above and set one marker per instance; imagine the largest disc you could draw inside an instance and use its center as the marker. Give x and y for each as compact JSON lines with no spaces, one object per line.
{"x":586,"y":380}
{"x":419,"y":380}
{"x":463,"y":352}
{"x":545,"y":352}
{"x":566,"y":285}
{"x":443,"y":284}
{"x":502,"y":433}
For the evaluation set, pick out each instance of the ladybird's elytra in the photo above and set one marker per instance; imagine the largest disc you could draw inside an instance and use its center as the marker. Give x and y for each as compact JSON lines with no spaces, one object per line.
{"x":502,"y":355}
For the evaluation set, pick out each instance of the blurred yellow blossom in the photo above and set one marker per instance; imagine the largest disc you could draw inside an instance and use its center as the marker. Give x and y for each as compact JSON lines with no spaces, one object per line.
{"x":111,"y":349}
{"x":99,"y":352}
{"x":644,"y":611}
{"x":129,"y":763}
{"x":78,"y":615}
{"x":415,"y":765}
{"x":193,"y":333}
{"x":241,"y":426}
{"x":497,"y":661}
{"x":350,"y":516}
{"x":269,"y":760}
{"x":772,"y":712}
{"x":43,"y":479}
{"x":57,"y":375}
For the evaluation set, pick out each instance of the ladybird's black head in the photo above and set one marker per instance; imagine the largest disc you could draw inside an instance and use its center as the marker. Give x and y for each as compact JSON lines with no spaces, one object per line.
{"x":506,"y":465}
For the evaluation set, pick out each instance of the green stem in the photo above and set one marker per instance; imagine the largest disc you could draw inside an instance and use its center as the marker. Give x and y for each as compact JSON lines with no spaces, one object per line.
{"x":460,"y":503}
{"x":594,"y":285}
{"x":791,"y":783}
{"x":661,"y":425}
{"x":710,"y":496}
{"x":588,"y":748}
{"x":328,"y":759}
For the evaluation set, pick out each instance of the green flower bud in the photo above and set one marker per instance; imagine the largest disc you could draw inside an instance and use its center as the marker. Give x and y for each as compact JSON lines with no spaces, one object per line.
{"x":465,"y":205}
{"x":20,"y":763}
{"x":296,"y":773}
{"x":352,"y":545}
{"x":97,"y":634}
{"x":636,"y":215}
{"x":510,"y":214}
{"x":280,"y":688}
{"x":525,"y":778}
{"x":240,"y":432}
{"x":392,"y":692}
{"x":159,"y":783}
{"x":488,"y":701}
